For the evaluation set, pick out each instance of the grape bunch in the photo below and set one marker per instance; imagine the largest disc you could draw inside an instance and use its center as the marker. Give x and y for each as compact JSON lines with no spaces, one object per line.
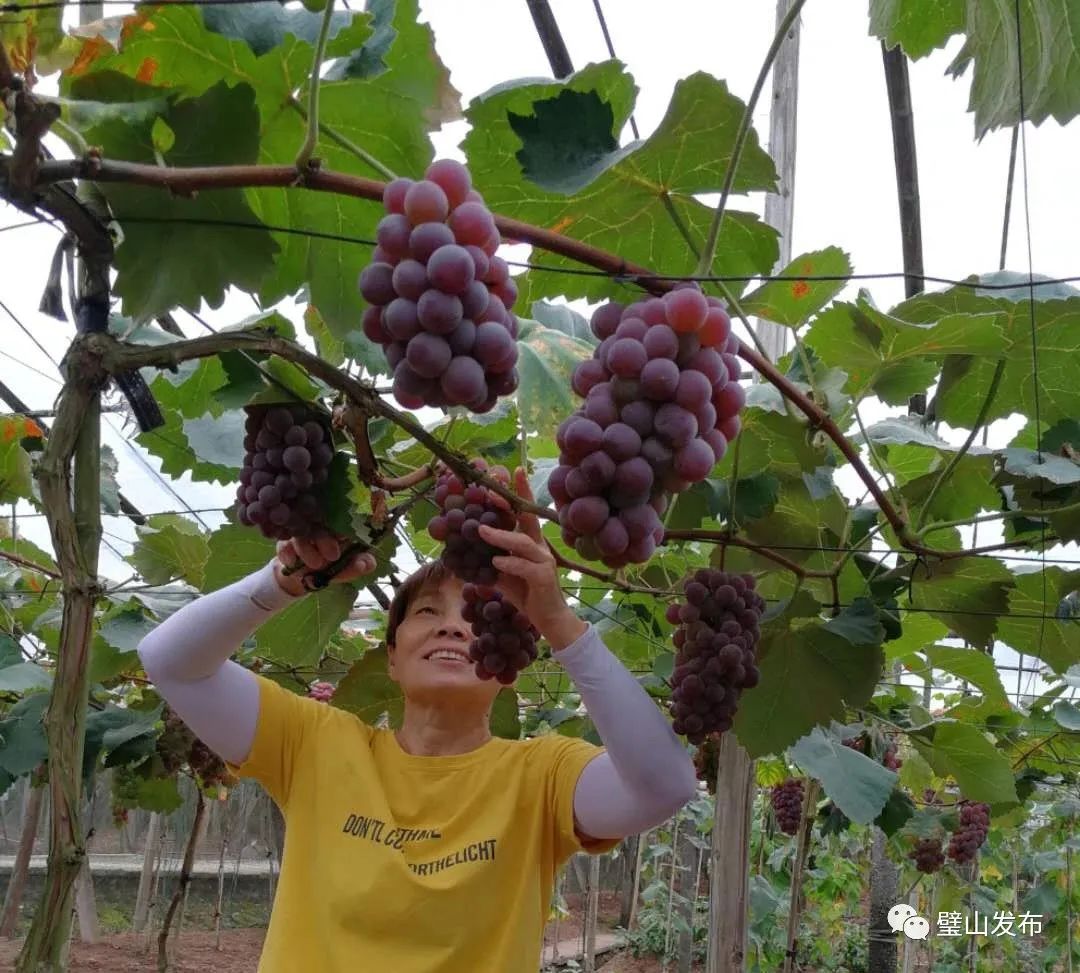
{"x":928,"y":856}
{"x":505,"y":639}
{"x":289,"y":451}
{"x":787,"y":804}
{"x":662,"y":403}
{"x":716,"y":634}
{"x":207,"y":766}
{"x":462,"y":509}
{"x":971,"y":832}
{"x":322,"y":691}
{"x":174,"y":742}
{"x":707,"y":762}
{"x":440,"y":299}
{"x":890,"y":760}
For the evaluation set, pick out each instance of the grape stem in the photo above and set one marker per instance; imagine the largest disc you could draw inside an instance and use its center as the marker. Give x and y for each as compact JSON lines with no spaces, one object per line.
{"x":347,"y":144}
{"x":355,"y":420}
{"x":312,"y":139}
{"x":726,"y":539}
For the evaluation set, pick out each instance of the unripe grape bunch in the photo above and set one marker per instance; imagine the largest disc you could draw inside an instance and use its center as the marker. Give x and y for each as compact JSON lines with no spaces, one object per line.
{"x":505,"y":639}
{"x":787,"y":804}
{"x":662,"y":402}
{"x":288,"y":455}
{"x":927,"y":855}
{"x":463,"y":508}
{"x":440,"y":299}
{"x":970,"y":833}
{"x":715,"y":661}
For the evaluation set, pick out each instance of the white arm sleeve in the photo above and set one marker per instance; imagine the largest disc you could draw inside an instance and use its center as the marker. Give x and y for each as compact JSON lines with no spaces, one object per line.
{"x":187,"y":659}
{"x":646,"y":773}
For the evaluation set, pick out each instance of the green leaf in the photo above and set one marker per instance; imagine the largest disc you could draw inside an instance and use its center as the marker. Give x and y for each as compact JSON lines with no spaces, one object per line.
{"x":792,"y":302}
{"x":1032,"y":464}
{"x":266,"y":28}
{"x":1066,"y":713}
{"x":159,"y":794}
{"x":368,"y":692}
{"x":622,"y":200}
{"x":170,"y":547}
{"x":125,"y":627}
{"x":24,"y":676}
{"x":217,"y":440}
{"x":561,"y":317}
{"x":1055,"y":641}
{"x":505,"y":715}
{"x":546,"y":360}
{"x":970,"y":665}
{"x":218,"y":127}
{"x":917,"y":26}
{"x":107,"y":661}
{"x":170,"y":444}
{"x":967,"y":594}
{"x":327,"y":346}
{"x":298,"y":634}
{"x":162,"y":137}
{"x":858,"y":623}
{"x":15,"y":478}
{"x":963,"y":751}
{"x":9,"y":651}
{"x":899,"y":809}
{"x":755,"y":497}
{"x":1049,"y":34}
{"x":22,"y":736}
{"x":808,"y":676}
{"x":857,"y":785}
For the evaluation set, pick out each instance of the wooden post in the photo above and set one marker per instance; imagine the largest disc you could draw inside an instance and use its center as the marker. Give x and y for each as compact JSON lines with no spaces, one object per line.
{"x":729,"y":886}
{"x":689,"y":858}
{"x":806,"y":828}
{"x":592,"y":909}
{"x":882,"y":946}
{"x":146,"y":878}
{"x":642,"y":841}
{"x":671,"y":888}
{"x":182,"y":885}
{"x":783,"y":127}
{"x":35,"y":797}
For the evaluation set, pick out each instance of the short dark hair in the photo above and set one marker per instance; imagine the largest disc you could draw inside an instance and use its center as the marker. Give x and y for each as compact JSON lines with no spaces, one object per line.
{"x":434,"y":573}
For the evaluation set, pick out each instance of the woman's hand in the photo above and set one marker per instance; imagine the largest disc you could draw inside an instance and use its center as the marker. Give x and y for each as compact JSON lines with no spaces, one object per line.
{"x":316,"y":554}
{"x":528,"y":574}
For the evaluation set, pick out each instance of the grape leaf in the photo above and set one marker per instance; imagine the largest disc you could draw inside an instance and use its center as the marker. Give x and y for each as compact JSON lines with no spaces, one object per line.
{"x":24,"y":676}
{"x":1049,"y":36}
{"x":1065,"y":713}
{"x":159,"y":794}
{"x":791,"y":302}
{"x":266,"y":28}
{"x":505,"y":715}
{"x":169,"y":547}
{"x":561,"y":317}
{"x":125,"y":627}
{"x":15,"y":478}
{"x":170,"y":444}
{"x":918,"y":26}
{"x":1055,"y":641}
{"x":808,"y":676}
{"x":546,"y":360}
{"x":970,"y":665}
{"x":963,"y":751}
{"x":967,"y":594}
{"x":107,"y":661}
{"x":367,"y":691}
{"x":622,"y":199}
{"x":859,"y":786}
{"x":217,"y":440}
{"x":22,"y":736}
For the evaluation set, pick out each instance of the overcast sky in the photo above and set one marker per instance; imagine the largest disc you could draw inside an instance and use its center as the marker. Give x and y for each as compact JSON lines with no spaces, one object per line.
{"x":844,"y":192}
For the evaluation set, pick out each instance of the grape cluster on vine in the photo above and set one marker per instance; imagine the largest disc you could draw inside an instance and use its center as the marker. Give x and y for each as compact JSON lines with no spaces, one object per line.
{"x":288,"y":455}
{"x":662,"y":403}
{"x":441,"y":300}
{"x":787,"y":803}
{"x":463,"y":509}
{"x":971,"y":832}
{"x":927,"y":855}
{"x":504,"y":640}
{"x":321,"y":691}
{"x":715,"y":660}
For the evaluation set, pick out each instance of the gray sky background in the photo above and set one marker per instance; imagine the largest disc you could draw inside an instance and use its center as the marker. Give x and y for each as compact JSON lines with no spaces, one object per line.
{"x":844,"y":191}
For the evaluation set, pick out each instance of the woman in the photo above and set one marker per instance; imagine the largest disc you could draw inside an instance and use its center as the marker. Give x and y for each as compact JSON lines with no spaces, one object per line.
{"x":432,"y":848}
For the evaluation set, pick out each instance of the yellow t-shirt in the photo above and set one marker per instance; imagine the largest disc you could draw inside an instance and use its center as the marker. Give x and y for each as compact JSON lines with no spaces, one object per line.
{"x":396,"y":863}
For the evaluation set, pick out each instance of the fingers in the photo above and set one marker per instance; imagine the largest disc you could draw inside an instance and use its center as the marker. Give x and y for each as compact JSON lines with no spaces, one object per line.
{"x":518,"y":567}
{"x":328,"y":546}
{"x":362,"y":564}
{"x":308,"y":552}
{"x":529,"y":523}
{"x":515,"y":541}
{"x":521,"y":485}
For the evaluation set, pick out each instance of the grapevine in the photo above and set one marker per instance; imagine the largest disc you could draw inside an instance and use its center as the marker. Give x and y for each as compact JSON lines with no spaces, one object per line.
{"x":462,"y":510}
{"x":787,"y":803}
{"x":288,"y":454}
{"x":504,"y":640}
{"x":971,"y":832}
{"x":716,"y":635}
{"x":662,"y":403}
{"x":440,"y":299}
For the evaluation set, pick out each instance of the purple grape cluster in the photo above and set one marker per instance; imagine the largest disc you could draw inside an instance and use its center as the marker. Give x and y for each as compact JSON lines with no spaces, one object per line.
{"x":505,"y":639}
{"x":787,"y":804}
{"x":970,"y":833}
{"x":441,"y":300}
{"x":288,"y":455}
{"x":662,"y":402}
{"x":927,"y":855}
{"x":462,"y":510}
{"x":715,"y":661}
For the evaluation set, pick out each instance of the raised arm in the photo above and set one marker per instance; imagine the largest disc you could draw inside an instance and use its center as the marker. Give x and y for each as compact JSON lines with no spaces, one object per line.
{"x":646,"y":773}
{"x":187,"y":657}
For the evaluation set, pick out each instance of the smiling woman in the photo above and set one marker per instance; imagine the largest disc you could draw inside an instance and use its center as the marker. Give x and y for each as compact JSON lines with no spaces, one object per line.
{"x":432,"y":847}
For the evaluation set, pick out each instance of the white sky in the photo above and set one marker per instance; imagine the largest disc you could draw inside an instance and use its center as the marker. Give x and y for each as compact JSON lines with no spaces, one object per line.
{"x":844,"y":190}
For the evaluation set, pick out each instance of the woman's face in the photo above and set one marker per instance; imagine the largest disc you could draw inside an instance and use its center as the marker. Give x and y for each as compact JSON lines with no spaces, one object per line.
{"x":430,"y":657}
